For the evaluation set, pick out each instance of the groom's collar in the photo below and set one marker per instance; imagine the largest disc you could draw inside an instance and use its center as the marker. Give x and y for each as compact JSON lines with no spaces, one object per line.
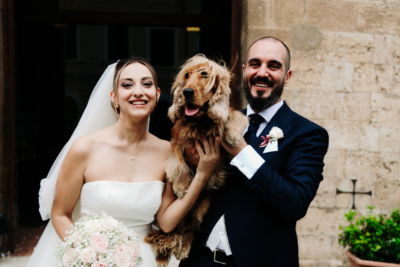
{"x":268,"y":113}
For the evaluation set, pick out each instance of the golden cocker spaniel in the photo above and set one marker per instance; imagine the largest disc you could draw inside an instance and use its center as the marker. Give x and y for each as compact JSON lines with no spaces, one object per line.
{"x":200,"y":107}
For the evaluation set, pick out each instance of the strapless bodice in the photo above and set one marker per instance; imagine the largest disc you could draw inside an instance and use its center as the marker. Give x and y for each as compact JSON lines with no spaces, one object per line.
{"x":134,"y":204}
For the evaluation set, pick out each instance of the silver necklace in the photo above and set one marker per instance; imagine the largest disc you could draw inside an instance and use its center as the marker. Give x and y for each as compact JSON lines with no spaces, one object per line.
{"x":133,"y":156}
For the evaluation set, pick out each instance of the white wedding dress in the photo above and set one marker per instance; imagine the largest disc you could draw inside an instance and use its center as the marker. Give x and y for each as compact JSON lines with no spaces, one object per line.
{"x":134,"y":204}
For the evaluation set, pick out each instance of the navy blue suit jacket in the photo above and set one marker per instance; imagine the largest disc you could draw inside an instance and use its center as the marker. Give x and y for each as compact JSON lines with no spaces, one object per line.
{"x":261,"y":212}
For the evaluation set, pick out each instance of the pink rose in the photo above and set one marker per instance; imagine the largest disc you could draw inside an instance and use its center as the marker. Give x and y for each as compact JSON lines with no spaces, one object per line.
{"x":99,"y":264}
{"x":88,"y":255}
{"x":121,"y":257}
{"x":100,"y":243}
{"x":133,"y":249}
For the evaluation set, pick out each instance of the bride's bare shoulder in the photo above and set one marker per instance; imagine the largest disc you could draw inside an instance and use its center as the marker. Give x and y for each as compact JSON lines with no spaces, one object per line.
{"x":160,"y":144}
{"x":86,"y":143}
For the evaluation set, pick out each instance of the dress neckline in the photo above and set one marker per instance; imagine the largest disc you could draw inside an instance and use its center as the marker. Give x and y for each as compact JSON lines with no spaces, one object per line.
{"x":123,"y":182}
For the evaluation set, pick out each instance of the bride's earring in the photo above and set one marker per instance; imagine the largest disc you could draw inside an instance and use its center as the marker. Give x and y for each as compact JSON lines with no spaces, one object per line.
{"x":117,"y":108}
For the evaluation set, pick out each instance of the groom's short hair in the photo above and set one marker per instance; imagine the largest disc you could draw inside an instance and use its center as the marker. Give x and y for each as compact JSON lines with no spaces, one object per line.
{"x":274,"y":39}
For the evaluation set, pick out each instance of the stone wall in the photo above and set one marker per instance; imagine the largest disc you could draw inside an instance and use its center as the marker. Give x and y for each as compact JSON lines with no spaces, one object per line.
{"x":346,"y":66}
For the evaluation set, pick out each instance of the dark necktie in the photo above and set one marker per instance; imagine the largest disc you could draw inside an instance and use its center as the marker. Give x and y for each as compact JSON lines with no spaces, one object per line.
{"x":251,"y":134}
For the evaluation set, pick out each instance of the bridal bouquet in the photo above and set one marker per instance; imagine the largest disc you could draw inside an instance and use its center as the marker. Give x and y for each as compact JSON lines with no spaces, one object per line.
{"x":99,"y":241}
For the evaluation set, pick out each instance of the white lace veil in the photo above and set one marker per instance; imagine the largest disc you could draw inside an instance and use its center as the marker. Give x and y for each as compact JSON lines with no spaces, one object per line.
{"x":98,"y":114}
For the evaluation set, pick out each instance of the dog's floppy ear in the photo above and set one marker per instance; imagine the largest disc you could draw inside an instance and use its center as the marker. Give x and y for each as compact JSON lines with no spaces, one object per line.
{"x":219,"y":102}
{"x":173,"y":111}
{"x":176,"y":92}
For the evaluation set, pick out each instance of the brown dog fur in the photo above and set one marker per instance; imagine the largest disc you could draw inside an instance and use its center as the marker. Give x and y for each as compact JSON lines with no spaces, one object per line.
{"x":203,"y":111}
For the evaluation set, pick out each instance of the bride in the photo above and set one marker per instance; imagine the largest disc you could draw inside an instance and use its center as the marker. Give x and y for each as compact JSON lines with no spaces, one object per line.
{"x":112,"y":164}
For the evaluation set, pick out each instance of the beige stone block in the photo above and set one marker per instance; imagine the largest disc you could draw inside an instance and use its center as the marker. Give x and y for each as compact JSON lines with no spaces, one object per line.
{"x":396,"y":76}
{"x":321,"y":221}
{"x":331,"y":15}
{"x":347,"y":47}
{"x":327,"y":76}
{"x":370,"y":2}
{"x":302,"y":55}
{"x":373,"y":78}
{"x":256,"y":13}
{"x":337,"y":76}
{"x":353,"y":106}
{"x":319,"y":246}
{"x":379,"y":18}
{"x":318,"y":262}
{"x":386,"y":48}
{"x":386,"y":193}
{"x":334,"y":167}
{"x":370,"y":136}
{"x":390,"y":166}
{"x":306,"y":37}
{"x":385,"y":108}
{"x":306,"y":73}
{"x":382,"y":136}
{"x":360,"y":165}
{"x":325,"y":197}
{"x":287,"y":14}
{"x":318,"y":103}
{"x":347,"y":135}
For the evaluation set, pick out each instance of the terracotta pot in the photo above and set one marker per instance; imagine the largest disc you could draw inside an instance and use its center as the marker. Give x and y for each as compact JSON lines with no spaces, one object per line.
{"x":356,"y":262}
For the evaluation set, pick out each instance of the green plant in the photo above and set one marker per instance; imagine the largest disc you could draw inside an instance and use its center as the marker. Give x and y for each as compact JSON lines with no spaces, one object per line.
{"x":372,"y":236}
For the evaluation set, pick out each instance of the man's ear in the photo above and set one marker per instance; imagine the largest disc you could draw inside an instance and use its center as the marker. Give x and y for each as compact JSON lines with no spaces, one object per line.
{"x":288,"y":75}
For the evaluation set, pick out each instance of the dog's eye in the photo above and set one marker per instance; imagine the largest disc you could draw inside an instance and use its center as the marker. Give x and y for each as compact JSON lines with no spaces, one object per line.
{"x":204,"y":74}
{"x":186,"y":75}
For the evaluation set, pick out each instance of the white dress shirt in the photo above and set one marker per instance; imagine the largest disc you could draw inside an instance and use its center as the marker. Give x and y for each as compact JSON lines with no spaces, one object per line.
{"x":248,"y":161}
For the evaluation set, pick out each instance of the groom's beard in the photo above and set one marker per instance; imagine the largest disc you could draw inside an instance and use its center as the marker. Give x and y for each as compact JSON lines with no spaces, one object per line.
{"x":260,"y":103}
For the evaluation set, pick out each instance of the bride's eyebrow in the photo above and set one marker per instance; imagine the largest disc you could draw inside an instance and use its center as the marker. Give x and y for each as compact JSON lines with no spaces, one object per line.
{"x":126,"y":79}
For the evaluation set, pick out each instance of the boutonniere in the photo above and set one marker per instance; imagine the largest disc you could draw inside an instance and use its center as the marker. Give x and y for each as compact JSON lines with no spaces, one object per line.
{"x":273,"y":135}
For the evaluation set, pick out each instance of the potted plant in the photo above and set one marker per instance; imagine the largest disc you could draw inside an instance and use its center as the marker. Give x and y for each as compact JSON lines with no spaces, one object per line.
{"x":372,"y":239}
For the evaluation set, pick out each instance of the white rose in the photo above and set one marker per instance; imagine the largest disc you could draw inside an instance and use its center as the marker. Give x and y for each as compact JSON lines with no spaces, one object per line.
{"x":88,"y":255}
{"x":276,"y":133}
{"x":69,"y":257}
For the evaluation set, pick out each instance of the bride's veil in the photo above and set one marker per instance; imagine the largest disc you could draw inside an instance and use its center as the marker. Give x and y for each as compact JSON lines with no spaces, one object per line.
{"x":98,"y":114}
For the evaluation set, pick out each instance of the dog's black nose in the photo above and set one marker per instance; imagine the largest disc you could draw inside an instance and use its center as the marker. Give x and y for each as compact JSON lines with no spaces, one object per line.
{"x":188,"y":93}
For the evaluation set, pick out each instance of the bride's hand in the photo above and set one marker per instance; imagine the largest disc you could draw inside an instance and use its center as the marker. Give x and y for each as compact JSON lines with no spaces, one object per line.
{"x":209,"y":156}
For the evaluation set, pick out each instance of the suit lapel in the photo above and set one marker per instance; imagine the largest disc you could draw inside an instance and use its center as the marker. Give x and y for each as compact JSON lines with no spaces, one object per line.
{"x":281,"y":119}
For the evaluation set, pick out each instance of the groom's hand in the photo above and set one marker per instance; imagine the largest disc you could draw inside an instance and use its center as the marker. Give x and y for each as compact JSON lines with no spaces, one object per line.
{"x":234,"y":150}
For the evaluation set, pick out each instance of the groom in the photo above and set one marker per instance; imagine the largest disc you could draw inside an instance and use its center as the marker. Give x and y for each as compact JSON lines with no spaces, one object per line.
{"x":252,"y":220}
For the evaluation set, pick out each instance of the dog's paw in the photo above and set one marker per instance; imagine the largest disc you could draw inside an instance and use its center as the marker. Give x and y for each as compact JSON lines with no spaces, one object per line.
{"x":232,"y":139}
{"x":182,"y":253}
{"x":179,"y":190}
{"x":234,"y":129}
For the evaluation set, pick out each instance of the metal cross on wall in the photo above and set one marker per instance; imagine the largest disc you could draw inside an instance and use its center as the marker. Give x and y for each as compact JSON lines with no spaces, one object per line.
{"x":353,"y":192}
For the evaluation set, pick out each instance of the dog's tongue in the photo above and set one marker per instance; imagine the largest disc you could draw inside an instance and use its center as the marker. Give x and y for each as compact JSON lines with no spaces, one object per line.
{"x":191,"y":111}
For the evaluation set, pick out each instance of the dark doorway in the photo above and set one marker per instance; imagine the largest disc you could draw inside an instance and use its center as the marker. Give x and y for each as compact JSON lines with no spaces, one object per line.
{"x":63,"y":46}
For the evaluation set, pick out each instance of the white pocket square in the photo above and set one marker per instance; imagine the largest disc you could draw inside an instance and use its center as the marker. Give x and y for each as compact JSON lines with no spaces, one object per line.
{"x":271,"y":147}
